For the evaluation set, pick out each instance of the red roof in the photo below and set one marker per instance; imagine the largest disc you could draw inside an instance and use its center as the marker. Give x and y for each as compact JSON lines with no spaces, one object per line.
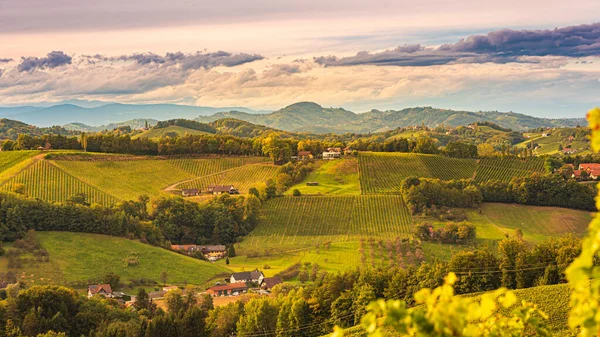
{"x":304,"y":153}
{"x":270,"y":282}
{"x":184,"y":247}
{"x":589,"y":167}
{"x":595,"y":173}
{"x":577,"y":173}
{"x":230,"y":286}
{"x":95,"y":289}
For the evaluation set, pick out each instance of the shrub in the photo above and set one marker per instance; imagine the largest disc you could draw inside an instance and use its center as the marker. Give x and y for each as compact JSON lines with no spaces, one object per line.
{"x":296,"y":192}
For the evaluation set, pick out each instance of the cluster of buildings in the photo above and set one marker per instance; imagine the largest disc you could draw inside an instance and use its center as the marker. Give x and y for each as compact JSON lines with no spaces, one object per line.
{"x":210,"y":189}
{"x":210,"y":252}
{"x":328,"y":154}
{"x":591,"y":171}
{"x":239,"y":283}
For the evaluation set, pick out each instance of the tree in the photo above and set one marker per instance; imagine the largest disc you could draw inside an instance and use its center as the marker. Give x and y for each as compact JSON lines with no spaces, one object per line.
{"x":227,"y":261}
{"x":163,"y":277}
{"x":142,"y":300}
{"x":231,"y":251}
{"x":485,"y":150}
{"x":113,"y":279}
{"x":83,"y":141}
{"x":175,"y":302}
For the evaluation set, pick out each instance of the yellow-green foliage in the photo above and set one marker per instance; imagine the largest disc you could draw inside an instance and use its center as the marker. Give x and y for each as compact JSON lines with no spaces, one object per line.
{"x":310,"y":220}
{"x":206,"y":166}
{"x":383,"y":172}
{"x":505,"y":169}
{"x":82,"y":256}
{"x":47,"y":182}
{"x":241,"y":178}
{"x":335,"y":177}
{"x":126,"y":179}
{"x":11,"y":158}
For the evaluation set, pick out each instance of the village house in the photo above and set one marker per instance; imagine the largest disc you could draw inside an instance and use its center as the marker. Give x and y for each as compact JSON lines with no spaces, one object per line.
{"x":255,"y":276}
{"x":348,"y":150}
{"x":189,"y":249}
{"x":303,"y":155}
{"x":332,"y":153}
{"x":546,"y":134}
{"x":169,"y":288}
{"x":99,"y":289}
{"x":569,"y":151}
{"x":269,"y":282}
{"x":227,"y":290}
{"x":220,"y":189}
{"x":214,"y":252}
{"x":190,"y":192}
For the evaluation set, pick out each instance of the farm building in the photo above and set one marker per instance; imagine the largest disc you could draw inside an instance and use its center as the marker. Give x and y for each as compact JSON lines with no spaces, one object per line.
{"x":189,"y":192}
{"x":228,"y":289}
{"x":220,"y":189}
{"x":169,"y":288}
{"x":255,"y":276}
{"x":303,"y":155}
{"x":333,"y":154}
{"x":270,"y":282}
{"x":190,"y":249}
{"x":100,"y":289}
{"x":214,"y":252}
{"x":589,"y":167}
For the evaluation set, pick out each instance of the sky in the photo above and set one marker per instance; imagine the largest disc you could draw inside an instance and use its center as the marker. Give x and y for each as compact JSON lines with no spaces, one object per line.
{"x":538,"y":57}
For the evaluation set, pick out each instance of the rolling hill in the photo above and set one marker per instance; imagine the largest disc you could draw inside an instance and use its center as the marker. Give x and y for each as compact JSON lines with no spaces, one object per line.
{"x":169,"y":131}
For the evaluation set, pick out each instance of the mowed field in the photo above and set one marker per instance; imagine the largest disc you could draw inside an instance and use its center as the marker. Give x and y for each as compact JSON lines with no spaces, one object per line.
{"x":381,"y":173}
{"x":536,"y":222}
{"x":78,"y":257}
{"x":335,"y":177}
{"x":242,"y":177}
{"x":309,"y":220}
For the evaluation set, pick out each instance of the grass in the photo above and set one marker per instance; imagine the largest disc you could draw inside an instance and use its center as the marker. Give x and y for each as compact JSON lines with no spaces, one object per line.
{"x":207,"y":166}
{"x":241,"y":178}
{"x":536,"y":222}
{"x":45,"y":181}
{"x":169,"y":131}
{"x":126,"y":179}
{"x":309,"y":220}
{"x":9,"y":159}
{"x":383,"y":172}
{"x":79,"y":257}
{"x":335,"y":177}
{"x":505,"y":169}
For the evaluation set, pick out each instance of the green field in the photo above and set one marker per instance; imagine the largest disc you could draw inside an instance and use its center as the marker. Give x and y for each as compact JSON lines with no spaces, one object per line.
{"x":335,"y":177}
{"x":241,"y":178}
{"x":126,"y":179}
{"x":383,"y":172}
{"x":504,"y":169}
{"x":207,"y":166}
{"x":536,"y":222}
{"x":308,"y":220}
{"x":9,"y":159}
{"x":47,"y":182}
{"x":169,"y":131}
{"x":79,"y":257}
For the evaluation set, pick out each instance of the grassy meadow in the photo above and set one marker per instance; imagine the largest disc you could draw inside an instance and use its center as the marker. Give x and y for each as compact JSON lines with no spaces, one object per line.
{"x":335,"y":177}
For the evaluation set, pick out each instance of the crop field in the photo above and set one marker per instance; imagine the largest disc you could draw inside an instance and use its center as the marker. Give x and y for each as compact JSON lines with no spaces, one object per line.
{"x":536,"y":222}
{"x":206,"y":166}
{"x":126,"y":179}
{"x":383,"y":172}
{"x":335,"y":177}
{"x":242,"y":177}
{"x":504,"y":169}
{"x":9,"y":159}
{"x":78,"y":257}
{"x":47,"y":182}
{"x":301,"y":221}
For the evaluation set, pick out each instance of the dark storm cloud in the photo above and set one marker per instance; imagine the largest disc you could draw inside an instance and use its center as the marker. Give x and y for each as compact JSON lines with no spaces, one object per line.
{"x":5,"y":60}
{"x":52,"y":60}
{"x":500,"y":46}
{"x":189,"y":61}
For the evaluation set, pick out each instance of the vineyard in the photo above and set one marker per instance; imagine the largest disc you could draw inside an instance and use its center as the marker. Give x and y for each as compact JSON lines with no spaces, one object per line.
{"x":504,"y":169}
{"x":242,"y":177}
{"x":310,"y":220}
{"x":126,"y":179}
{"x":9,"y":159}
{"x":208,"y":166}
{"x":383,"y":172}
{"x":47,"y":182}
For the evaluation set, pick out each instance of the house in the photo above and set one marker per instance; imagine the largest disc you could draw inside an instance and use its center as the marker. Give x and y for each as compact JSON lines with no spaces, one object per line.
{"x":571,"y":138}
{"x":546,"y":134}
{"x":169,"y":288}
{"x":189,"y":249}
{"x":220,"y":189}
{"x":255,"y":276}
{"x":189,"y":192}
{"x":594,"y":174}
{"x":303,"y":155}
{"x":348,"y":150}
{"x":269,"y":282}
{"x":100,"y":289}
{"x":214,"y":252}
{"x":569,"y":151}
{"x":227,"y":290}
{"x":330,"y":154}
{"x":589,"y":167}
{"x":154,"y":295}
{"x":334,"y":149}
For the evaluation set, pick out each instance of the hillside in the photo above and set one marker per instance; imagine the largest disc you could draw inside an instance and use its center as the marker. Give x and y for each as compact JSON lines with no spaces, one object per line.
{"x":79,"y":257}
{"x":10,"y":129}
{"x":311,"y":117}
{"x":170,"y":131}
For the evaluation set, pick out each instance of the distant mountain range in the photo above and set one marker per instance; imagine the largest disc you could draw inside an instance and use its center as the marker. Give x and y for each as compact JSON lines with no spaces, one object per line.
{"x":298,"y":117}
{"x":109,"y":113}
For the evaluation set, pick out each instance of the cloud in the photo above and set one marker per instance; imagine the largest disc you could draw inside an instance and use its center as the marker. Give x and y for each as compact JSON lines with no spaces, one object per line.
{"x":5,"y":60}
{"x":189,"y":61}
{"x":500,"y":46}
{"x":52,"y":60}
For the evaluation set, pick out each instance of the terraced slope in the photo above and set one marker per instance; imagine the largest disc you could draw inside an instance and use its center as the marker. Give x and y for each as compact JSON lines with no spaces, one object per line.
{"x":310,"y":220}
{"x":242,"y":177}
{"x":505,"y":169}
{"x":383,"y":172}
{"x":207,"y":166}
{"x":47,"y":182}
